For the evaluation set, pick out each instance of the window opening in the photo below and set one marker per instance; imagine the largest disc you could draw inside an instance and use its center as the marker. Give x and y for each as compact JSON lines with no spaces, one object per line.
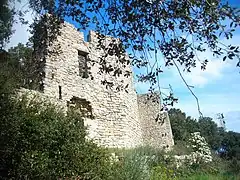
{"x":82,"y":60}
{"x":81,"y":106}
{"x":60,"y":92}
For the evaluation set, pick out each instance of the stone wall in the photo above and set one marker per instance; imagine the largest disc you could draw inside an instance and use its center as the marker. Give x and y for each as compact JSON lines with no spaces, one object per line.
{"x":115,"y":122}
{"x":41,"y":99}
{"x":155,"y":124}
{"x":119,"y":118}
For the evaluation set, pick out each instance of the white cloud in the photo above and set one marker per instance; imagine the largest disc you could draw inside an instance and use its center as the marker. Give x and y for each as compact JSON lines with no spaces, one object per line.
{"x":214,"y":70}
{"x":209,"y":104}
{"x":200,"y":78}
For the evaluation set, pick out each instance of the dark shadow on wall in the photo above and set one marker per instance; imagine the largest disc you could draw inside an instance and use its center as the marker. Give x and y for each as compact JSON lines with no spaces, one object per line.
{"x":82,"y":106}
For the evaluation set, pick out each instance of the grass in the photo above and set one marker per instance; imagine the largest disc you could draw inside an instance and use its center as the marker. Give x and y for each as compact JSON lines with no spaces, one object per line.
{"x":211,"y":177}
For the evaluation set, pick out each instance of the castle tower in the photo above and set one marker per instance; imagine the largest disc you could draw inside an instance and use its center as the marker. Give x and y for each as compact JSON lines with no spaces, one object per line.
{"x":156,"y":127}
{"x":68,"y":69}
{"x":67,"y":77}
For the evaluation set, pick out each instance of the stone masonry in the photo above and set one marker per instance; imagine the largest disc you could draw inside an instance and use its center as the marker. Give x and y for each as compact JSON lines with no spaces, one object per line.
{"x":114,"y":118}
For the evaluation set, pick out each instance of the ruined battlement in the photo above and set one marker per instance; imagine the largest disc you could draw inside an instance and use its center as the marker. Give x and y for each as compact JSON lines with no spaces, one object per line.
{"x":119,"y":118}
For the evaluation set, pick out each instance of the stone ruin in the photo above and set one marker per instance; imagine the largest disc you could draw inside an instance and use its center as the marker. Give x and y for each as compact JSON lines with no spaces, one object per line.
{"x":116,"y":119}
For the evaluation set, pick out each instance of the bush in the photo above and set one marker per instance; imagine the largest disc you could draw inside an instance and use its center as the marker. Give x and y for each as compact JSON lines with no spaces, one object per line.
{"x":162,"y":172}
{"x":234,"y":166}
{"x":217,"y":169}
{"x":46,"y":144}
{"x":135,"y":163}
{"x":201,"y":151}
{"x":181,"y":148}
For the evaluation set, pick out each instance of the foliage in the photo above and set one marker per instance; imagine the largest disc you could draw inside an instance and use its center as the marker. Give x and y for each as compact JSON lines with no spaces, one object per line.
{"x":201,"y":151}
{"x":131,"y":167}
{"x":225,"y":144}
{"x":231,"y":145}
{"x":217,"y":169}
{"x":163,"y":173}
{"x":202,"y":176}
{"x":211,"y":132}
{"x":181,"y":125}
{"x":137,"y":163}
{"x":6,"y":21}
{"x":181,"y":148}
{"x":45,"y":144}
{"x":234,"y":165}
{"x":10,"y":75}
{"x":196,"y":152}
{"x":215,"y":136}
{"x":40,"y":143}
{"x":21,"y":56}
{"x":133,"y":163}
{"x":231,"y":142}
{"x":156,"y":33}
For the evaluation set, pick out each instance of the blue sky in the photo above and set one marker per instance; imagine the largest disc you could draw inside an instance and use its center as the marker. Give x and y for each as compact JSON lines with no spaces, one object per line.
{"x":218,"y":87}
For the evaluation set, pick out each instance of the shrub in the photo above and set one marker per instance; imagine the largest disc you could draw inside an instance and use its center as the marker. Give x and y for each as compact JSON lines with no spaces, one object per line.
{"x":181,"y":148}
{"x":162,"y":172}
{"x":234,"y":166}
{"x":46,"y":144}
{"x":201,"y":151}
{"x":135,"y":163}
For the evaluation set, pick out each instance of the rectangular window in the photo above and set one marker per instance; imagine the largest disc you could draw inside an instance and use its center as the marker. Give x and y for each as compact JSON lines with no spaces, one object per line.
{"x":82,"y":60}
{"x":60,"y":92}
